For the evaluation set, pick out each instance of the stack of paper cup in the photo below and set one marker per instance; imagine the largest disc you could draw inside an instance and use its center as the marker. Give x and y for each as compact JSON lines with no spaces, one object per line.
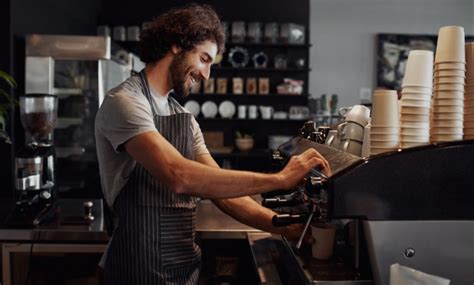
{"x":416,"y":99}
{"x":448,"y":83}
{"x":385,"y":122}
{"x":469,"y":93}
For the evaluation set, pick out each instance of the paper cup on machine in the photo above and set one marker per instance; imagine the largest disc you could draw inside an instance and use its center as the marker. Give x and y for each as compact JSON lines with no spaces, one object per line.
{"x":469,"y":131}
{"x":324,"y":236}
{"x":384,"y":130}
{"x":408,"y":138}
{"x":468,"y":137}
{"x":449,"y":80}
{"x":469,"y":51}
{"x":450,"y":65}
{"x":415,"y":103}
{"x":419,"y":68}
{"x":468,"y":110}
{"x":447,"y":123}
{"x":450,"y":46}
{"x":414,"y":132}
{"x":417,"y":89}
{"x":448,"y":109}
{"x":384,"y":137}
{"x":414,"y":125}
{"x":449,"y":73}
{"x":446,"y":131}
{"x":414,"y":110}
{"x":413,"y":144}
{"x":448,"y":102}
{"x":448,"y":87}
{"x":468,"y":117}
{"x":416,"y":96}
{"x":447,"y":116}
{"x":469,"y":103}
{"x":414,"y":118}
{"x":469,"y":88}
{"x":385,"y":108}
{"x":384,"y":144}
{"x":446,"y":138}
{"x":449,"y":94}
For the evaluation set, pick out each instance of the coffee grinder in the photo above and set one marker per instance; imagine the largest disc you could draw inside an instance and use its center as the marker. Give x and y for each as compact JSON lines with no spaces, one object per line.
{"x":35,"y":163}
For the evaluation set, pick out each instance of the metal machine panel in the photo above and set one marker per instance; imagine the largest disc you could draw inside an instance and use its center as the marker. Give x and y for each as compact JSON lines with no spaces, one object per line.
{"x":39,"y":75}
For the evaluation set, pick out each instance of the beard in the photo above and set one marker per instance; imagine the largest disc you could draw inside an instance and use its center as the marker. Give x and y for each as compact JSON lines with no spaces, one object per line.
{"x":179,"y":70}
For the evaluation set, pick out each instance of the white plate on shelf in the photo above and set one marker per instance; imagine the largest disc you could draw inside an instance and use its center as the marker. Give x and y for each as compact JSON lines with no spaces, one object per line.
{"x":209,"y":109}
{"x":227,"y":109}
{"x":193,"y":107}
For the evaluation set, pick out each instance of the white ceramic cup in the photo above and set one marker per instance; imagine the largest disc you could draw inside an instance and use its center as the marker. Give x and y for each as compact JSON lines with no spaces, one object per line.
{"x":242,"y":112}
{"x":353,"y":147}
{"x":357,"y":113}
{"x":252,"y":112}
{"x":323,"y":235}
{"x":350,"y":130}
{"x":266,"y":112}
{"x":419,"y":68}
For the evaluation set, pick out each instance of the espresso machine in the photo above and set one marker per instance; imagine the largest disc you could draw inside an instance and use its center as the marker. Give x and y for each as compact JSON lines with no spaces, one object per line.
{"x":35,"y":163}
{"x":411,"y":206}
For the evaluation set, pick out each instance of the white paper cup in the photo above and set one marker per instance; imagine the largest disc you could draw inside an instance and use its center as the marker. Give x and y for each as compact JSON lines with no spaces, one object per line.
{"x":324,"y":236}
{"x":385,"y":108}
{"x":413,"y":144}
{"x":450,"y":46}
{"x":415,"y":103}
{"x":383,"y":137}
{"x":468,"y":117}
{"x":448,"y":87}
{"x":469,"y":131}
{"x":468,"y":137}
{"x":415,"y":125}
{"x":449,"y":80}
{"x":384,"y":144}
{"x":408,"y":138}
{"x":415,"y":110}
{"x":419,"y":68}
{"x":446,"y":138}
{"x":447,"y":123}
{"x":469,"y":103}
{"x":469,"y":89}
{"x":469,"y":51}
{"x":449,"y":95}
{"x":450,"y":65}
{"x":449,"y":73}
{"x":446,"y":131}
{"x":385,"y":130}
{"x":378,"y":150}
{"x":448,"y":102}
{"x":448,"y":109}
{"x":416,"y":96}
{"x":447,"y":116}
{"x":415,"y":132}
{"x":417,"y":89}
{"x":414,"y":118}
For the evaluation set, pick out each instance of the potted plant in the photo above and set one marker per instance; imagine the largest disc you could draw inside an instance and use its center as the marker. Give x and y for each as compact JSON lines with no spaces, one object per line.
{"x":6,"y":102}
{"x":244,"y":142}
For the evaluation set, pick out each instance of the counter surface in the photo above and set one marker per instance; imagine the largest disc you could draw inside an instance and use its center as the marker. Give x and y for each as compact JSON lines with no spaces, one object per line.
{"x":211,"y":223}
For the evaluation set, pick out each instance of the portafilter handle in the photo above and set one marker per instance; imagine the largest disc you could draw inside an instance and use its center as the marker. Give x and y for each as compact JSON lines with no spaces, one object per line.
{"x":281,"y":202}
{"x":283,"y":220}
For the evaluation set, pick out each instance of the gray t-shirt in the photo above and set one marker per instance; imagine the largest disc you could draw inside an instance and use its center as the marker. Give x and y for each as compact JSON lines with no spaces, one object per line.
{"x":125,"y":113}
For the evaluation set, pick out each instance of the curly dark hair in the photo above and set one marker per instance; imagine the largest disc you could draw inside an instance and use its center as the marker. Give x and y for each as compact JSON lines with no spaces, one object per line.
{"x":185,"y":27}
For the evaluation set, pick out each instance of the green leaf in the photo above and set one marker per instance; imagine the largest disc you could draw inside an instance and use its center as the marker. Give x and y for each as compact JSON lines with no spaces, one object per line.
{"x":8,"y":78}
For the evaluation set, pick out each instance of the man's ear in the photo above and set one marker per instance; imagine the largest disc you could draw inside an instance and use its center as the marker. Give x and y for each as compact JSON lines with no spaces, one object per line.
{"x":175,"y":49}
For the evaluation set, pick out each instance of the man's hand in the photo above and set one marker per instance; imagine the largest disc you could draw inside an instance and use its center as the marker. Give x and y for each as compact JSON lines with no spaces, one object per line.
{"x":299,"y":166}
{"x":293,"y":234}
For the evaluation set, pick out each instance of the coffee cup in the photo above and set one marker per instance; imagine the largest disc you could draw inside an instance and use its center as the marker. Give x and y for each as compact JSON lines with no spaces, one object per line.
{"x":323,"y":235}
{"x":266,"y":112}
{"x":242,"y":112}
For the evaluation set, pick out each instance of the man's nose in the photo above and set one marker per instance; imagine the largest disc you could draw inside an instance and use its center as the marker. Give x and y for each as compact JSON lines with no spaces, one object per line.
{"x":206,"y":72}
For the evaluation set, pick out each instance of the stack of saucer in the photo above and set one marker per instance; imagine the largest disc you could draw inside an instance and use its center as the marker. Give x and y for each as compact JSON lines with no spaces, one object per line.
{"x":385,"y":122}
{"x":469,"y":93}
{"x":449,"y":76}
{"x":415,"y":103}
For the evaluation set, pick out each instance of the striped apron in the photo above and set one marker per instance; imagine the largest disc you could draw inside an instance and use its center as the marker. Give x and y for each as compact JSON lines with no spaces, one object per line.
{"x":154,"y":241}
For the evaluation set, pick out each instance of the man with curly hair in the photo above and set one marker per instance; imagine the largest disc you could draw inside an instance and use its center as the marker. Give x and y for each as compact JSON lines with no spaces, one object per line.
{"x":155,"y":166}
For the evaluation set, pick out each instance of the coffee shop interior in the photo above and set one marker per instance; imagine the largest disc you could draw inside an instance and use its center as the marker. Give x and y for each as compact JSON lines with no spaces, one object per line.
{"x":381,"y":88}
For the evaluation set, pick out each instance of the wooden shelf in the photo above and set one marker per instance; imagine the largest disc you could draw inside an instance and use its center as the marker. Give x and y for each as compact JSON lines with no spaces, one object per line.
{"x":246,"y":99}
{"x":269,"y":45}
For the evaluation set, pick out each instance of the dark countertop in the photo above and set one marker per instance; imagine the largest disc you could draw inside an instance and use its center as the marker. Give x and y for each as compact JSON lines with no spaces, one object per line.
{"x":211,"y":223}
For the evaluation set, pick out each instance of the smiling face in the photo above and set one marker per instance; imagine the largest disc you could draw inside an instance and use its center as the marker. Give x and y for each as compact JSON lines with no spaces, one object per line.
{"x":188,"y":67}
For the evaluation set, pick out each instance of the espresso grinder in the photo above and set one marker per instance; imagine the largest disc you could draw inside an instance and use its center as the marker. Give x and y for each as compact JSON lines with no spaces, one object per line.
{"x":35,"y":163}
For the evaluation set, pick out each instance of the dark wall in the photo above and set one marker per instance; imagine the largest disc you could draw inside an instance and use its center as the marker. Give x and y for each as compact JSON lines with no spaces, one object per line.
{"x":115,"y":12}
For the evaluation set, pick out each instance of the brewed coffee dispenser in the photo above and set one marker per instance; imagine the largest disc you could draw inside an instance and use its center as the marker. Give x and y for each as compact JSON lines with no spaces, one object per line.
{"x":35,"y":162}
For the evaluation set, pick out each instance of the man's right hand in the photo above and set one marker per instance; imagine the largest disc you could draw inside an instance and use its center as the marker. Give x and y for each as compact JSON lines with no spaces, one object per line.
{"x":299,"y":166}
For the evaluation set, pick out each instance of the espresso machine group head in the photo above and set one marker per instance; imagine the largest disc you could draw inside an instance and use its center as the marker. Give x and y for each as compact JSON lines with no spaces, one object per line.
{"x":35,"y":162}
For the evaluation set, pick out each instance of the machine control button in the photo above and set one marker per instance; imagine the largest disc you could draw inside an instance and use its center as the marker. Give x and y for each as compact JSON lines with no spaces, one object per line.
{"x":409,"y":252}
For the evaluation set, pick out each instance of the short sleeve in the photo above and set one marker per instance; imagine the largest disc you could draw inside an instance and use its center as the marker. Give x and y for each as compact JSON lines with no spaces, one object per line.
{"x":199,"y":144}
{"x":123,"y":115}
